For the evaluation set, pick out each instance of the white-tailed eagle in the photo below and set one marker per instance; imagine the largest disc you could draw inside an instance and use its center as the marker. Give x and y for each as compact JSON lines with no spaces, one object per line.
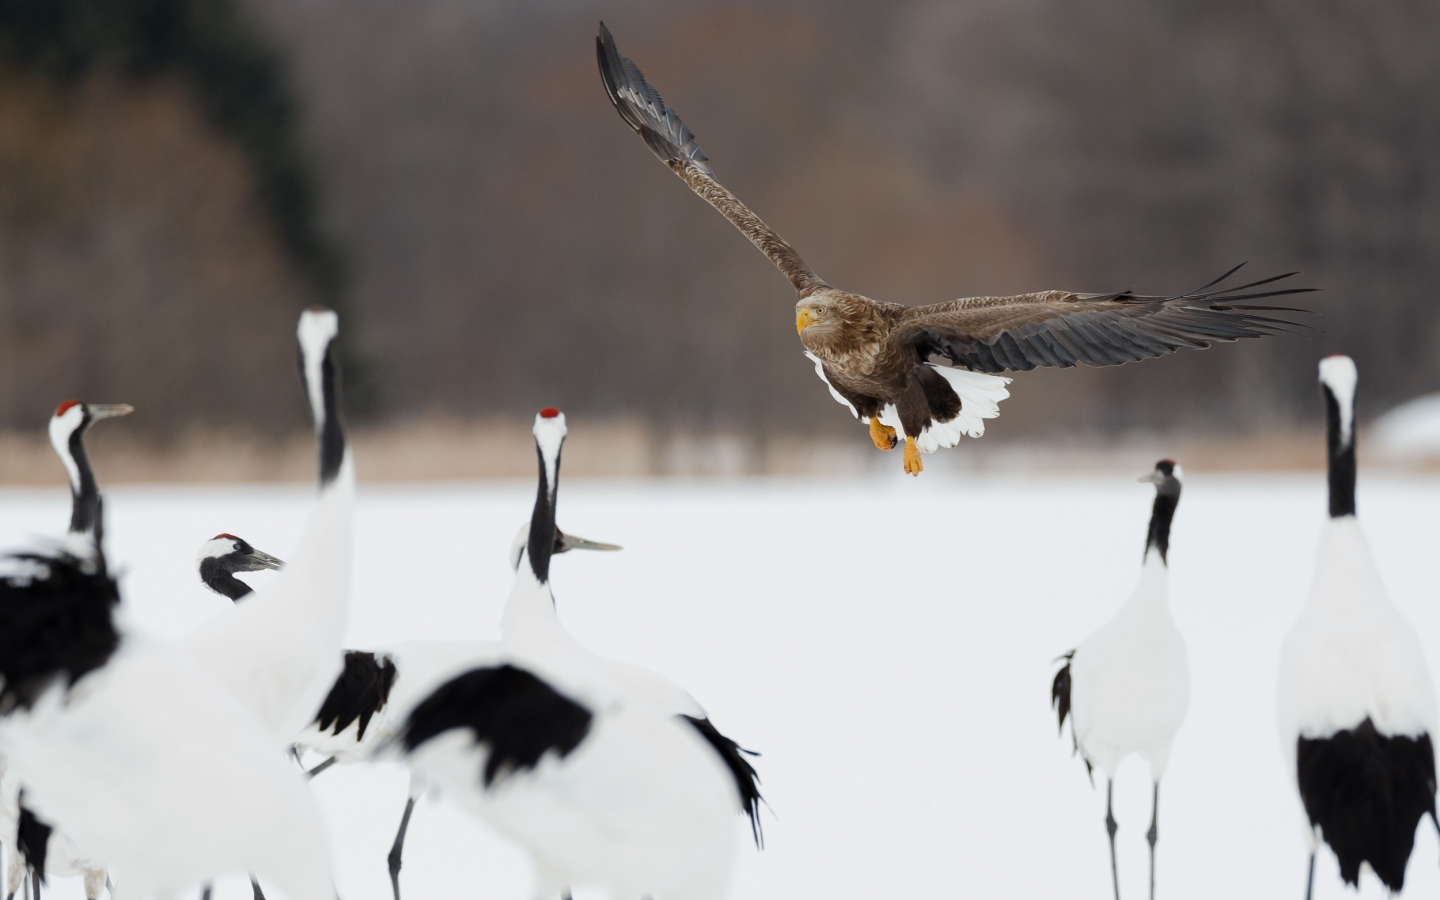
{"x":875,"y":356}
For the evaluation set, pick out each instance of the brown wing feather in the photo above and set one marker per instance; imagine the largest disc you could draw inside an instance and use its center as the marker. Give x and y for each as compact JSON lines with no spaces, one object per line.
{"x":1060,"y":328}
{"x":639,"y":104}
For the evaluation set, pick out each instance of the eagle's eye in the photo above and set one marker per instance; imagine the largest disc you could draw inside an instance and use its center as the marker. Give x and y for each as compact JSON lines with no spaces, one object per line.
{"x":819,"y":310}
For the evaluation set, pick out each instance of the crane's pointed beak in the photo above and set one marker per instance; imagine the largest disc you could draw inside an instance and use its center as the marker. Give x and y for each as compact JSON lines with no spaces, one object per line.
{"x":259,"y":559}
{"x":566,"y":542}
{"x":108,"y":410}
{"x":1153,"y":477}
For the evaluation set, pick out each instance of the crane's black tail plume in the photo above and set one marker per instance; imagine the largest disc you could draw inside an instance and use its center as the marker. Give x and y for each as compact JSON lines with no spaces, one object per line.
{"x":1060,"y":702}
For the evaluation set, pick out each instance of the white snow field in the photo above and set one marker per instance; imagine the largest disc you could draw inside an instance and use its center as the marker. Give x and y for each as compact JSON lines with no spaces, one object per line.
{"x":887,"y":644}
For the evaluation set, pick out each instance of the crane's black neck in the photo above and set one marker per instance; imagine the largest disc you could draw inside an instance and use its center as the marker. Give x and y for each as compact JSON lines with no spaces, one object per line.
{"x":221,"y":580}
{"x":1340,"y":456}
{"x":540,"y":545}
{"x":1167,"y":498}
{"x":85,"y":494}
{"x":330,"y":426}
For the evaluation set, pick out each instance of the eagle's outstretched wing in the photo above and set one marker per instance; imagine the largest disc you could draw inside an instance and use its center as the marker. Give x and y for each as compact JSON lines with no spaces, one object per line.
{"x":1059,"y":328}
{"x":639,"y":104}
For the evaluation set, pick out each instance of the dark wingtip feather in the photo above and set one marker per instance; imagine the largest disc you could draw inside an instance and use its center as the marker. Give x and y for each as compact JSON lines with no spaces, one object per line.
{"x":644,"y":110}
{"x":1222,"y":278}
{"x":360,"y":691}
{"x":607,"y":57}
{"x":1060,"y":691}
{"x":1060,"y":701}
{"x":1234,"y":293}
{"x":747,"y":780}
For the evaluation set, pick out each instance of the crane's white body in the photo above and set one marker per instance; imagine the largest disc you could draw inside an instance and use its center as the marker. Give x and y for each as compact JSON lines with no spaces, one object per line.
{"x":1351,"y":655}
{"x":1130,"y":680}
{"x":624,"y":811}
{"x":152,"y":765}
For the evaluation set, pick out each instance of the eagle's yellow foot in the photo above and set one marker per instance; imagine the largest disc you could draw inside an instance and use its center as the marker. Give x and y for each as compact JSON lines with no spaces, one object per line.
{"x":912,"y":457}
{"x":882,"y":435}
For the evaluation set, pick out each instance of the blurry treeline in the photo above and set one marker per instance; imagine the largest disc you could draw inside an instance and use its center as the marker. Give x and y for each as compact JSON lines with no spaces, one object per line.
{"x":510,"y":243}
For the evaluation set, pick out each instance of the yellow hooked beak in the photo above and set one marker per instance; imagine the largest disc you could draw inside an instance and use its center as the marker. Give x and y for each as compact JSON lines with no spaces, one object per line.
{"x":803,"y":320}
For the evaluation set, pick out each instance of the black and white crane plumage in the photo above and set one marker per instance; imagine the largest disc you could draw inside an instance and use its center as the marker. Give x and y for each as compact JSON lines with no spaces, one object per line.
{"x":600,"y":787}
{"x":69,"y":424}
{"x":1356,"y":705}
{"x":135,"y":751}
{"x":530,"y":623}
{"x":1126,"y":687}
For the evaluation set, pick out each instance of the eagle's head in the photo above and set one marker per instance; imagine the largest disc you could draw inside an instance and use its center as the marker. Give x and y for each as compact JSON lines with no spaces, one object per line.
{"x":832,"y":320}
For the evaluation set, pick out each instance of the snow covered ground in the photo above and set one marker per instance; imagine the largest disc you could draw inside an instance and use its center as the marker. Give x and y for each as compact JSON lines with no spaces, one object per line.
{"x":887,"y":644}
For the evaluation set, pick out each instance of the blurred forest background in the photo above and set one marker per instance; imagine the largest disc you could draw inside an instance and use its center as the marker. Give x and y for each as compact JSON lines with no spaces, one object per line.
{"x":179,"y":177}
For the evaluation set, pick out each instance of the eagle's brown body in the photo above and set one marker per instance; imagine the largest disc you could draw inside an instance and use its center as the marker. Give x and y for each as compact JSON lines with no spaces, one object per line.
{"x":864,"y":365}
{"x":876,"y":355}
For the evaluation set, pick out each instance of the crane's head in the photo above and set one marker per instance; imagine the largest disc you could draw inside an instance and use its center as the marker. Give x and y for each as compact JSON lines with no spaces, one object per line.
{"x":69,"y":424}
{"x":1338,"y":377}
{"x":1167,"y":477}
{"x":234,"y":554}
{"x":320,"y":374}
{"x":564,"y":543}
{"x":224,"y":555}
{"x":549,"y":434}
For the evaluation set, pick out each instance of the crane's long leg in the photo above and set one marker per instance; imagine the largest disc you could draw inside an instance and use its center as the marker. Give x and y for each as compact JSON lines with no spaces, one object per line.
{"x":320,"y":768}
{"x":205,"y":891}
{"x":94,"y":880}
{"x":255,"y":886}
{"x":1153,"y":835}
{"x":399,"y":846}
{"x":35,"y":880}
{"x":1111,"y":826}
{"x":14,"y":874}
{"x":1310,"y":881}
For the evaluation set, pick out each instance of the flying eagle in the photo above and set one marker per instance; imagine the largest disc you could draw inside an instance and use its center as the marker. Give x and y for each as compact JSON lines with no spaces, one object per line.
{"x":874,"y":356}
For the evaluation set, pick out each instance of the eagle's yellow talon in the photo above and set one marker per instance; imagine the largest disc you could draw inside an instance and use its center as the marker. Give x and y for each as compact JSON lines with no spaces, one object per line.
{"x":913,"y":465}
{"x":882,"y":435}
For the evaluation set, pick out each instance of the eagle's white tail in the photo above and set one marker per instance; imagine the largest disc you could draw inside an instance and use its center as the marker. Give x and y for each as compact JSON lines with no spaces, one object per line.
{"x":980,"y":396}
